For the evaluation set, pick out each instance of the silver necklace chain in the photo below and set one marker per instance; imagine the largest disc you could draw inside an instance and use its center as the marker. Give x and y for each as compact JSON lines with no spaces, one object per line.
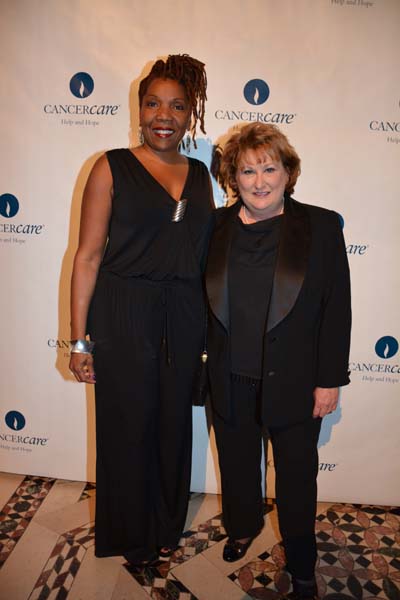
{"x":246,"y":221}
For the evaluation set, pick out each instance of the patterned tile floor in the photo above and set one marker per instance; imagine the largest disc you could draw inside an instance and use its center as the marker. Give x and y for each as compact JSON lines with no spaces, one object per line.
{"x":358,"y":557}
{"x":47,"y":537}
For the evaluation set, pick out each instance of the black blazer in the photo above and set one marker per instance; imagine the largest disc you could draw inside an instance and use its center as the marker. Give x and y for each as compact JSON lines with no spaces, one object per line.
{"x":307,"y":338}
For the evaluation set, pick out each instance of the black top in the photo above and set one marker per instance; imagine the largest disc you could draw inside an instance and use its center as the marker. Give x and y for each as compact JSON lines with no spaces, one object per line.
{"x":143,"y":241}
{"x":251,"y":270}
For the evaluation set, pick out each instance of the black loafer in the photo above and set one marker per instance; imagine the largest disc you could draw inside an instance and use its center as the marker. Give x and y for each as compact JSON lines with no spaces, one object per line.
{"x":304,"y":590}
{"x":234,"y":550}
{"x":167,"y":551}
{"x":135,"y":562}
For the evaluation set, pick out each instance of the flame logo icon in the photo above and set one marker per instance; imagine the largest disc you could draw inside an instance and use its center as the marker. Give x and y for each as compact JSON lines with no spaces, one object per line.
{"x":256,"y":96}
{"x":9,"y":206}
{"x":15,"y":420}
{"x":386,"y":347}
{"x":256,"y":91}
{"x":82,"y":90}
{"x":81,"y":85}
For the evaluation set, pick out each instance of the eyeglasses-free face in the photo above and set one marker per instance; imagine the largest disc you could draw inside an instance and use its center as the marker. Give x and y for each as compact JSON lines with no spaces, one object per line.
{"x":164,"y":115}
{"x":261,"y":180}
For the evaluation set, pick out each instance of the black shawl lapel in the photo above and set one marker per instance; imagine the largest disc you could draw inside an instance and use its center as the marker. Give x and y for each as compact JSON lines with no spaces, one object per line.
{"x":291,"y":264}
{"x":217,"y":266}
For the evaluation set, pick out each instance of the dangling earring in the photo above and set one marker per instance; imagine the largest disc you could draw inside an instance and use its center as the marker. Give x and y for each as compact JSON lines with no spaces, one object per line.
{"x":186,"y":144}
{"x":140,"y":135}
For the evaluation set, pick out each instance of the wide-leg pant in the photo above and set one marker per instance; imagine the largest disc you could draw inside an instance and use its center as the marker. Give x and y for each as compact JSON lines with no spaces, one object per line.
{"x":148,"y":343}
{"x":239,"y":444}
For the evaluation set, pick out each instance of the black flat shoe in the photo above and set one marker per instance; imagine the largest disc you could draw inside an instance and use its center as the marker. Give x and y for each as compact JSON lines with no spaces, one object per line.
{"x":302,"y":596}
{"x":134,"y":562}
{"x":304,"y":590}
{"x":167,"y":551}
{"x":234,"y":550}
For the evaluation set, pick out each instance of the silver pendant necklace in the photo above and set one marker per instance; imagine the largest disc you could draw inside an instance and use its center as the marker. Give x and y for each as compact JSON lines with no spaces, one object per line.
{"x":179,"y":211}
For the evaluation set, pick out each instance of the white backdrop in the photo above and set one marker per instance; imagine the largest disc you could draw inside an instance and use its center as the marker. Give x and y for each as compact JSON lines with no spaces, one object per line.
{"x":323,"y":69}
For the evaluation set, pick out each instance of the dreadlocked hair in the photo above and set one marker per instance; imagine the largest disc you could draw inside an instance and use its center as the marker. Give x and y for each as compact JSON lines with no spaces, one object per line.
{"x":190,"y":73}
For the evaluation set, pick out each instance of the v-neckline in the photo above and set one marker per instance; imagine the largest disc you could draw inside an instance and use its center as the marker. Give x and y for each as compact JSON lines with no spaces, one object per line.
{"x":185,"y":185}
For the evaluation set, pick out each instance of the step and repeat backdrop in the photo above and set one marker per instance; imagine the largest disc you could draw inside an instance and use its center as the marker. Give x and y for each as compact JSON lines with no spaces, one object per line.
{"x":325,"y":71}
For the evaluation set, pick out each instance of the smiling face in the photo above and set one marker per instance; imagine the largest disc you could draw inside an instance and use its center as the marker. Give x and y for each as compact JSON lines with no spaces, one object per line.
{"x":164,"y":115}
{"x":261,"y":180}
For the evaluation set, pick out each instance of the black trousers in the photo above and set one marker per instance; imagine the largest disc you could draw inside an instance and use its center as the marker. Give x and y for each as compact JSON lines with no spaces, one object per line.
{"x":239,"y":444}
{"x":148,"y":341}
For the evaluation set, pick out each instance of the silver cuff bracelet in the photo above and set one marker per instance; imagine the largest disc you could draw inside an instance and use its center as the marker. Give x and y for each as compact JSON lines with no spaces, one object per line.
{"x":81,"y":347}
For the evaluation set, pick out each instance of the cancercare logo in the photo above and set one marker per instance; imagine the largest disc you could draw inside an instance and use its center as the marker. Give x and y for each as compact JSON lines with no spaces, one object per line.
{"x":256,"y":91}
{"x":353,"y":249}
{"x":386,"y":371}
{"x":81,"y":85}
{"x":15,"y":420}
{"x":386,"y":347}
{"x":23,"y":442}
{"x":84,"y":114}
{"x":9,"y":206}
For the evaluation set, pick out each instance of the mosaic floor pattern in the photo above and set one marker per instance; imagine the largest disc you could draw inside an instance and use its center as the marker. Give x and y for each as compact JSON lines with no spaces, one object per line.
{"x":46,"y":526}
{"x":19,"y":510}
{"x":358,"y":557}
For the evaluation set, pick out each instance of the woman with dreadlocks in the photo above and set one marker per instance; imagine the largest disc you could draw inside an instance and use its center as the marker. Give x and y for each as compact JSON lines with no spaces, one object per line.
{"x":136,"y":290}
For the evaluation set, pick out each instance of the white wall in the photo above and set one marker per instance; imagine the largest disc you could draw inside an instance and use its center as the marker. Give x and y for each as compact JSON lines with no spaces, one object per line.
{"x":331,"y":68}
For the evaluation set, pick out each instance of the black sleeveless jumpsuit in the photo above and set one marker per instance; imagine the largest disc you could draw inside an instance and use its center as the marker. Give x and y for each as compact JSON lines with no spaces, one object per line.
{"x":147,"y":320}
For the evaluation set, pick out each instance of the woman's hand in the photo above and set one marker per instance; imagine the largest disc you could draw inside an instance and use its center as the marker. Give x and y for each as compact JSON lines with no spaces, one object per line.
{"x":325,"y":401}
{"x":81,"y":365}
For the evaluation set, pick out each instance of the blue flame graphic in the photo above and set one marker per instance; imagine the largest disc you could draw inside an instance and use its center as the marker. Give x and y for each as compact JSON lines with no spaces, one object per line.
{"x":386,"y":347}
{"x":81,"y":85}
{"x":256,"y":91}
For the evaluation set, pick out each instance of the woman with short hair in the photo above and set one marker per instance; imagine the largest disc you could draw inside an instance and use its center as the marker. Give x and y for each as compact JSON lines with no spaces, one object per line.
{"x":278,"y":341}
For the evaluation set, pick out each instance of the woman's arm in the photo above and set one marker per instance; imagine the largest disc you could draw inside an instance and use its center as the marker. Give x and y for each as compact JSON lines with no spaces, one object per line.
{"x":95,"y":216}
{"x":334,"y":335}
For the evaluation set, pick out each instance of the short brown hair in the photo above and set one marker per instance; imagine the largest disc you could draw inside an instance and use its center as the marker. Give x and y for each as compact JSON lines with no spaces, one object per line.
{"x":256,"y":136}
{"x":190,"y":73}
